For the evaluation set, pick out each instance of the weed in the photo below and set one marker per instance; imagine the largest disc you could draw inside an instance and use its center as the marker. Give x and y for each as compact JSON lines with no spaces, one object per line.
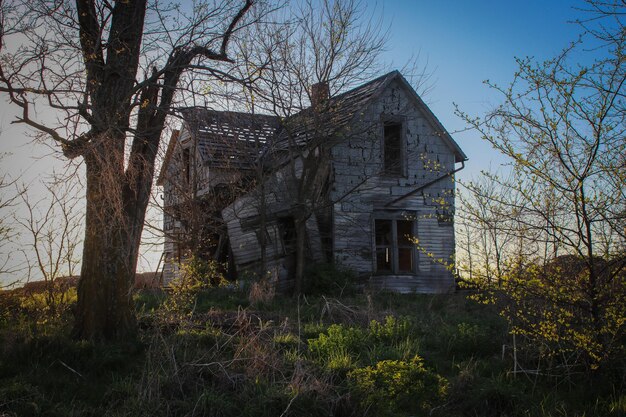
{"x":261,"y":292}
{"x":337,"y":342}
{"x":316,"y":356}
{"x":284,"y":341}
{"x":394,"y":387}
{"x":617,"y":404}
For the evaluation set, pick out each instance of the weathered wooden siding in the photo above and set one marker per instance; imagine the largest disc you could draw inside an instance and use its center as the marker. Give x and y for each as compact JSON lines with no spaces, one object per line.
{"x":362,"y":192}
{"x":174,"y":188}
{"x":243,"y":220}
{"x":359,"y":193}
{"x":177,"y":190}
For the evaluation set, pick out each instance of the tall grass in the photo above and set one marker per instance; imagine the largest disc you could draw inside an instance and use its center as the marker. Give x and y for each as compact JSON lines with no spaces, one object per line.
{"x":369,"y":354}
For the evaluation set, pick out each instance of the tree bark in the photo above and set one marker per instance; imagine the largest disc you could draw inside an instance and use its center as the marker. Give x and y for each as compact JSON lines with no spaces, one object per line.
{"x":105,"y":308}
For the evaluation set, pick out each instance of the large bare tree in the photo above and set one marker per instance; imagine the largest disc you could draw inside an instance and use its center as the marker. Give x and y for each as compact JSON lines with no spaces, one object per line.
{"x":107,"y":73}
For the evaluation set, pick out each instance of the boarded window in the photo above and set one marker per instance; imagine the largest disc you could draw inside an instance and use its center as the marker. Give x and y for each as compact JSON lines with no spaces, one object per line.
{"x":395,"y":250}
{"x":392,"y":152}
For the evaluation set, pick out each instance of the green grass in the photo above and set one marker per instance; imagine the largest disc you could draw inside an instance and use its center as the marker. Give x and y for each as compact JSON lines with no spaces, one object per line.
{"x":374,"y":354}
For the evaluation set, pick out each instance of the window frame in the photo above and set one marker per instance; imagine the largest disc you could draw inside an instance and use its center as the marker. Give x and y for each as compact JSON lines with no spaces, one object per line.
{"x":395,"y":245}
{"x":388,"y":120}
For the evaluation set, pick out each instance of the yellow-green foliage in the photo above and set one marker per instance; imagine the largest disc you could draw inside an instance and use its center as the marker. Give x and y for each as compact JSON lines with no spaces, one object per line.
{"x":47,"y":305}
{"x":391,"y":387}
{"x":37,"y":313}
{"x":338,"y":342}
{"x":391,"y":330}
{"x":381,"y":364}
{"x":196,"y":275}
{"x":345,"y":347}
{"x":565,"y":311}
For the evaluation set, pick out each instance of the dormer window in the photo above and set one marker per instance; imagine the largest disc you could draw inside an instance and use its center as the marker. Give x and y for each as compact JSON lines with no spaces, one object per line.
{"x":393,"y":152}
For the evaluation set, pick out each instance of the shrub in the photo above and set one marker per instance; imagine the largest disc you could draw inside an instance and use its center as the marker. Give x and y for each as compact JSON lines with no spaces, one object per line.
{"x":339,"y":341}
{"x":50,"y":304}
{"x":197,"y":274}
{"x":392,"y":387}
{"x":36,"y":313}
{"x":565,"y":312}
{"x":390,"y":331}
{"x":201,"y":273}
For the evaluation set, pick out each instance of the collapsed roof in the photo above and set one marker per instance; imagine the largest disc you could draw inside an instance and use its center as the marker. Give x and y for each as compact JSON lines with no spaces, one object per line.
{"x":237,"y":140}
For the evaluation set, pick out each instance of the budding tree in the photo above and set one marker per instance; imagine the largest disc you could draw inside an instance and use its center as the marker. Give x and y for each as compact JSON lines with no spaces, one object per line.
{"x":8,"y":198}
{"x":562,"y":127}
{"x":52,"y":227}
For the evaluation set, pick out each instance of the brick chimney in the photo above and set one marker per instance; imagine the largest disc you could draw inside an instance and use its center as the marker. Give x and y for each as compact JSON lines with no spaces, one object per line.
{"x":320,"y":92}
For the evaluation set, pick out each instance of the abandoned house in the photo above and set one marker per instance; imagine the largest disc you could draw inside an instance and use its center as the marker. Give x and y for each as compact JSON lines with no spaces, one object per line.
{"x":364,"y":179}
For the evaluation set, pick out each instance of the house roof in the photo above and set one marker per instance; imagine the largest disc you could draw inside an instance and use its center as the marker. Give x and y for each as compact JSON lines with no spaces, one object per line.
{"x":230,"y":139}
{"x":430,"y":116}
{"x":224,"y":139}
{"x":340,"y":110}
{"x":235,"y":140}
{"x":332,"y":117}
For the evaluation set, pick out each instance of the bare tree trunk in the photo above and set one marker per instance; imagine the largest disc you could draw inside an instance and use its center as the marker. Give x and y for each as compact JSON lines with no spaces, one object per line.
{"x":300,"y":225}
{"x":117,"y":199}
{"x":105,"y":307}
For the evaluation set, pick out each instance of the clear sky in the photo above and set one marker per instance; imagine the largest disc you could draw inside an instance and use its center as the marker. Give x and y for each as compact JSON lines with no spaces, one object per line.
{"x":467,"y":42}
{"x":464,"y":43}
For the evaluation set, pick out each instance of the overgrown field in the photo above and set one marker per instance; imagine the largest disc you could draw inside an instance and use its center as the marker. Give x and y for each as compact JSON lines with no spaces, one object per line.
{"x":218,"y":354}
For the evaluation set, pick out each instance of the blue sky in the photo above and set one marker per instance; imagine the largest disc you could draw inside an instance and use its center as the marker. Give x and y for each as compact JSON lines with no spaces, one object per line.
{"x":467,"y":42}
{"x":464,"y":43}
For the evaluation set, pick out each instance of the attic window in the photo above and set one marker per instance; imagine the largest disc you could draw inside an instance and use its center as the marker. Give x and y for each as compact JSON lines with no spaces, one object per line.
{"x":392,"y":151}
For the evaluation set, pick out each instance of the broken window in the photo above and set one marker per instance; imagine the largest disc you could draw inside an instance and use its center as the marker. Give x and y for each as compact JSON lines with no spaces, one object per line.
{"x":395,"y":249}
{"x":287,"y":227}
{"x":384,"y":247}
{"x":392,"y":148}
